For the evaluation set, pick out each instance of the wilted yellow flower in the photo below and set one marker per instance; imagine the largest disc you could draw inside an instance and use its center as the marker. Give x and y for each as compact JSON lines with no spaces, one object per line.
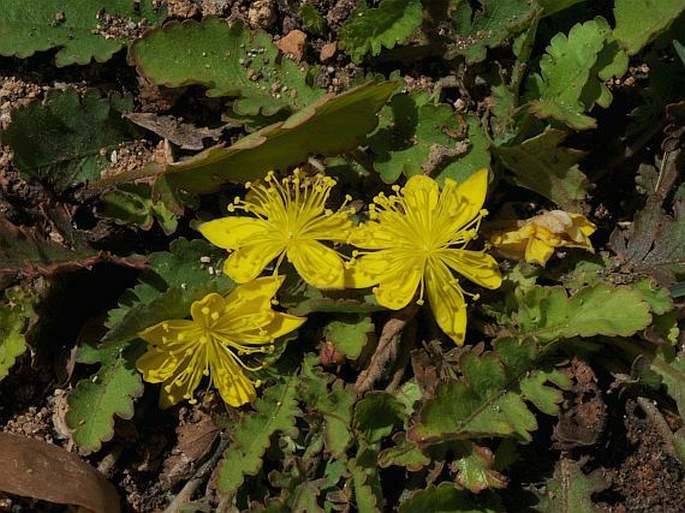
{"x":417,"y":237}
{"x":537,"y":237}
{"x":222,"y":330}
{"x":291,"y":220}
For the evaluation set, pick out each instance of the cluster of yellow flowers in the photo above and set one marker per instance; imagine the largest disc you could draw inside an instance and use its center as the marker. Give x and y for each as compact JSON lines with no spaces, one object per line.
{"x":409,"y":249}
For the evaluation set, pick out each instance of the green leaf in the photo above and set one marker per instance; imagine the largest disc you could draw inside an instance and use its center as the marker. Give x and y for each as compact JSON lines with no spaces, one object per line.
{"x":404,"y":454}
{"x":330,"y":126}
{"x":132,"y":204}
{"x":303,"y":299}
{"x":230,"y":61}
{"x":367,"y":30}
{"x":541,"y":165}
{"x":553,"y":6}
{"x":639,"y":22}
{"x":349,"y":334}
{"x":547,"y":313}
{"x":571,"y":490}
{"x":366,"y":482}
{"x":490,"y":398}
{"x":312,"y":21}
{"x":473,"y":466}
{"x":658,"y":298}
{"x":415,"y":136}
{"x":474,"y":31}
{"x":377,"y":415}
{"x":573,"y":73}
{"x":334,"y":404}
{"x":672,"y":372}
{"x":96,"y":400}
{"x":77,"y":28}
{"x":26,"y":251}
{"x":446,"y":498}
{"x":65,"y":141}
{"x":15,"y":311}
{"x":275,"y":412}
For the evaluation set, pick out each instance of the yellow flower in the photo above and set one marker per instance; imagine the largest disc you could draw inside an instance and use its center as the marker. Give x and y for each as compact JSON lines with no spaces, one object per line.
{"x":537,"y":237}
{"x":223,"y":329}
{"x":291,"y":219}
{"x":418,"y":236}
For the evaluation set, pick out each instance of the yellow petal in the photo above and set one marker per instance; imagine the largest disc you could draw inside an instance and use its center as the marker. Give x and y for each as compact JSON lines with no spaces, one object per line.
{"x":399,"y":284}
{"x":477,"y":266}
{"x":421,"y":192}
{"x":538,"y":251}
{"x":463,"y":201}
{"x":319,"y":265}
{"x":233,"y":231}
{"x":229,"y":379}
{"x":334,"y":227}
{"x":446,"y":301}
{"x":182,"y":384}
{"x":157,"y":365}
{"x":372,"y":235}
{"x":245,"y":263}
{"x":367,"y":270}
{"x":202,"y":310}
{"x":170,"y":334}
{"x":253,"y":295}
{"x":282,"y":324}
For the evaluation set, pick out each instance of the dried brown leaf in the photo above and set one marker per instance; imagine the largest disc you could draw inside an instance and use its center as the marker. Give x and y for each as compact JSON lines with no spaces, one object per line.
{"x":29,"y":469}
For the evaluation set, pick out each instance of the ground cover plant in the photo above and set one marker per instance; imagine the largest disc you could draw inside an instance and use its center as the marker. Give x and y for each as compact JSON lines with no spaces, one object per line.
{"x":276,"y":256}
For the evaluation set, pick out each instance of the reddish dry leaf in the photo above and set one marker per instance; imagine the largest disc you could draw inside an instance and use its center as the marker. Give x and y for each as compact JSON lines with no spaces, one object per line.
{"x":35,"y":469}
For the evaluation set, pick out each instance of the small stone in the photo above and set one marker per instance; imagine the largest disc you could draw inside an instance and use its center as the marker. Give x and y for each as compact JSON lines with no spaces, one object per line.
{"x":262,"y":14}
{"x":327,"y":51}
{"x":293,"y":44}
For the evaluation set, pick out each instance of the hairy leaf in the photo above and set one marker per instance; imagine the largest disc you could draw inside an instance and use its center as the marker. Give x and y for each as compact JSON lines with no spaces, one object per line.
{"x":367,"y":30}
{"x":543,"y":166}
{"x":571,"y":490}
{"x":416,"y":136}
{"x":66,"y":140}
{"x":447,"y":498}
{"x":572,"y":74}
{"x":638,"y":22}
{"x":548,"y":313}
{"x":230,"y":61}
{"x":78,"y":27}
{"x":340,"y":124}
{"x":275,"y":412}
{"x":366,"y":482}
{"x":95,"y":401}
{"x":473,"y":32}
{"x":490,"y":398}
{"x":14,"y":314}
{"x":349,"y":334}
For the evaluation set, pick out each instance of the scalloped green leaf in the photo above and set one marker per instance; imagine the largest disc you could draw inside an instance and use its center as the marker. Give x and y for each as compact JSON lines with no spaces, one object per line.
{"x":97,"y":400}
{"x":639,"y":22}
{"x":327,"y":127}
{"x":571,"y":490}
{"x":671,"y":369}
{"x":473,"y":466}
{"x":416,"y":136}
{"x":368,"y":494}
{"x":548,"y":313}
{"x":542,"y":165}
{"x":132,"y":204}
{"x":377,"y":415}
{"x":229,"y":60}
{"x":473,"y":31}
{"x":490,"y":399}
{"x":65,"y":140}
{"x":368,"y":30}
{"x":275,"y":412}
{"x":14,"y":314}
{"x":77,"y":27}
{"x":447,"y":498}
{"x":573,"y":72}
{"x":404,"y":453}
{"x":333,"y":403}
{"x":349,"y":334}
